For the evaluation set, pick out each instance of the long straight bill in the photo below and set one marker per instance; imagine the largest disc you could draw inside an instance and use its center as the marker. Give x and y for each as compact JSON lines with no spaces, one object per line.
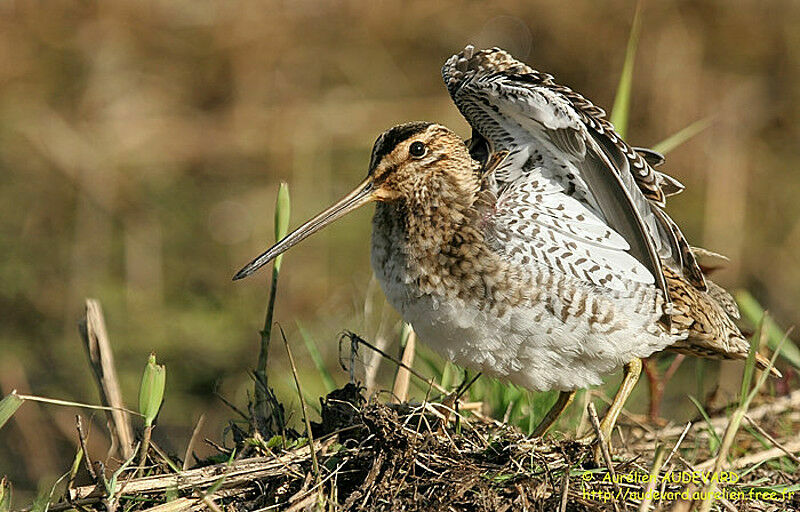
{"x":362,"y":195}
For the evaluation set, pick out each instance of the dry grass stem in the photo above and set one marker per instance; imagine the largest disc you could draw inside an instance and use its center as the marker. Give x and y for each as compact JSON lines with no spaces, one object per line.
{"x":772,"y":440}
{"x":655,"y":471}
{"x":101,"y":359}
{"x":603,"y":447}
{"x":309,"y":432}
{"x":755,"y":458}
{"x":193,"y":441}
{"x":384,"y":457}
{"x":82,"y":440}
{"x":678,"y":442}
{"x":403,"y":377}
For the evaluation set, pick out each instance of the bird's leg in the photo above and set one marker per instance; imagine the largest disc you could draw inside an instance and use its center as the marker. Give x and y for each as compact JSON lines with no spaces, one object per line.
{"x":562,"y":402}
{"x":655,"y":384}
{"x":632,"y":371}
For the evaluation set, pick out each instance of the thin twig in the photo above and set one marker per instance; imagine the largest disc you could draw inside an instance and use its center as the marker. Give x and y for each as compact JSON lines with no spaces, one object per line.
{"x":678,"y":443}
{"x":772,"y":440}
{"x":354,"y":338}
{"x":232,"y":406}
{"x":82,"y":441}
{"x":314,"y":462}
{"x":606,"y":454}
{"x":193,"y":440}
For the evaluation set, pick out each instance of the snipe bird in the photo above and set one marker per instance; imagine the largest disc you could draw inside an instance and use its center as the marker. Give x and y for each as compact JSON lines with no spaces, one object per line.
{"x":538,"y":251}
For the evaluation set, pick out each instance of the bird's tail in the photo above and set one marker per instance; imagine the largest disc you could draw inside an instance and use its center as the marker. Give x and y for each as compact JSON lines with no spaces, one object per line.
{"x":707,"y":319}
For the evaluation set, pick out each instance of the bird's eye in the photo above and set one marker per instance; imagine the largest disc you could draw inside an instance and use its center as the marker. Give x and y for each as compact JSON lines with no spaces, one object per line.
{"x":417,"y":149}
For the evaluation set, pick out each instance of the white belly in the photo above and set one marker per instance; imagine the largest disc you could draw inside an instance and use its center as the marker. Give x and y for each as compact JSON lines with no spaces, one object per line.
{"x":538,"y":356}
{"x":530,"y":347}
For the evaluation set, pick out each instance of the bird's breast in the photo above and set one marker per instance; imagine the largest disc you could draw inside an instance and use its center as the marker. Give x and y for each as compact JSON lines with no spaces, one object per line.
{"x":537,"y":330}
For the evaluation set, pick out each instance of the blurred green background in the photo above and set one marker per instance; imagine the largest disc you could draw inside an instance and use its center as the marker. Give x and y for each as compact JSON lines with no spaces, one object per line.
{"x":142,"y":143}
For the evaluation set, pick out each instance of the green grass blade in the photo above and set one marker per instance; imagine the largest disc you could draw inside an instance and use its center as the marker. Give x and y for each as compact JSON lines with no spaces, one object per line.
{"x":766,"y":373}
{"x":13,"y":401}
{"x":76,"y":464}
{"x":450,"y":374}
{"x":111,"y":485}
{"x":700,"y":376}
{"x":8,"y":406}
{"x":41,"y":503}
{"x":750,"y":364}
{"x":432,"y":362}
{"x":710,"y":426}
{"x":620,"y":113}
{"x":316,"y":356}
{"x":282,"y":210}
{"x":678,"y":138}
{"x":753,"y":313}
{"x":758,"y":437}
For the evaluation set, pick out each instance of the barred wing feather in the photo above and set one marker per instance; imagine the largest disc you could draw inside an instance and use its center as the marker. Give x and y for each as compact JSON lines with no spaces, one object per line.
{"x":562,"y":153}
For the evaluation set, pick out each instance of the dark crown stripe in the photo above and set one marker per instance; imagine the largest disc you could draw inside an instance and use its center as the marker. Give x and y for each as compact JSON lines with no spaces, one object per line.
{"x":391,"y":138}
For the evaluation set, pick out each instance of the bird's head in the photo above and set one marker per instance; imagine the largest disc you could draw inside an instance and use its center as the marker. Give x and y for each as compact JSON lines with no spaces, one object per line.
{"x":421,"y":165}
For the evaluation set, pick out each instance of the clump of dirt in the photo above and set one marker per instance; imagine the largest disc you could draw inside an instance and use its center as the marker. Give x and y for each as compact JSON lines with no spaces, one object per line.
{"x":411,"y":457}
{"x":373,"y":456}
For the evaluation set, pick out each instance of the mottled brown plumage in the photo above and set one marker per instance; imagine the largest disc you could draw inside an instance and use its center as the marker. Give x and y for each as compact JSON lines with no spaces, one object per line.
{"x":707,"y":317}
{"x":538,"y":252}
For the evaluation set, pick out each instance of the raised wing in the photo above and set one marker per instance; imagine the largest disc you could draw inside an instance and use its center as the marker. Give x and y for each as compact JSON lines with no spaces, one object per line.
{"x":558,"y":140}
{"x":533,"y":222}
